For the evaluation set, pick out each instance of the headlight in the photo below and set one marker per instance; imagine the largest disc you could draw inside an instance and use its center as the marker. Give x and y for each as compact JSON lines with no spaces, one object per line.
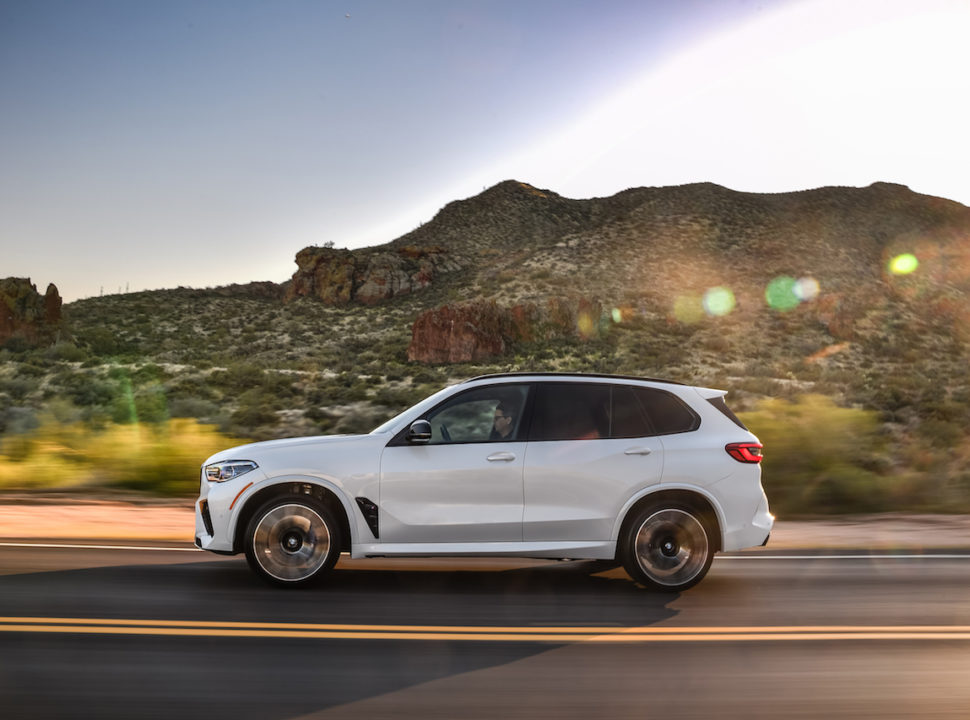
{"x":228,"y":470}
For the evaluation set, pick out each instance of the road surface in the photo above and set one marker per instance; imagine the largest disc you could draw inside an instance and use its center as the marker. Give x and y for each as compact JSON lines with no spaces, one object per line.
{"x":126,"y":632}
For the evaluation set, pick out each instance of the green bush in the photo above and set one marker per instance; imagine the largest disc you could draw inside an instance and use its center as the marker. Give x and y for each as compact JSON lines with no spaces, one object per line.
{"x":818,"y":455}
{"x":162,"y":458}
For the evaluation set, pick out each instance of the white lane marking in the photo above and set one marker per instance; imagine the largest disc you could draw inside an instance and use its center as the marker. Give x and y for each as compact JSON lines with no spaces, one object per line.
{"x":70,"y":546}
{"x":875,"y":556}
{"x":481,"y":633}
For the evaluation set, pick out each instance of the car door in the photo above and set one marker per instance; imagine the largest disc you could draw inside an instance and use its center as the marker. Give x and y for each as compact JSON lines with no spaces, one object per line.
{"x":465,"y":484}
{"x":590,"y":449}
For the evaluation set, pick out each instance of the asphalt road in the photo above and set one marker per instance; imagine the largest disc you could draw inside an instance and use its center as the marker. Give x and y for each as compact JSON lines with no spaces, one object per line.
{"x":112,"y":633}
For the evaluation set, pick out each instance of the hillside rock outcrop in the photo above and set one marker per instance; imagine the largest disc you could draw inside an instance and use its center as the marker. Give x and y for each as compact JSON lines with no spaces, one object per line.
{"x":475,"y":331}
{"x":25,"y":313}
{"x":340,"y":277}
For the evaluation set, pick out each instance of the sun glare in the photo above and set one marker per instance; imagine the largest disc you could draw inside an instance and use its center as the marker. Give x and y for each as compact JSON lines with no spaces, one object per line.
{"x":815,"y":93}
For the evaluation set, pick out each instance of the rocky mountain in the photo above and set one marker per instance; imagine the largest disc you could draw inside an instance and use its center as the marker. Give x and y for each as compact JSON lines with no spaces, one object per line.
{"x":857,"y":296}
{"x":683,"y":254}
{"x":26,"y":315}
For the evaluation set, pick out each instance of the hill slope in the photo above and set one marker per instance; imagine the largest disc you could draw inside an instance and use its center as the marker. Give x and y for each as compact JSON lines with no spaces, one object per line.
{"x":769,"y":296}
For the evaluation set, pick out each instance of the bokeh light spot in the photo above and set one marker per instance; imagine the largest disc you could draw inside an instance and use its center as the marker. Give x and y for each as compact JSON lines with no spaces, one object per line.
{"x":586,"y":325}
{"x":903,"y":264}
{"x":780,"y":293}
{"x":689,"y":309}
{"x":718,"y":301}
{"x":806,"y":289}
{"x":617,"y":315}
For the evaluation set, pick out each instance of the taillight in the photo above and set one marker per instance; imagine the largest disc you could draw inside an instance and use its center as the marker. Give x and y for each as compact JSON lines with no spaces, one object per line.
{"x":746,"y":452}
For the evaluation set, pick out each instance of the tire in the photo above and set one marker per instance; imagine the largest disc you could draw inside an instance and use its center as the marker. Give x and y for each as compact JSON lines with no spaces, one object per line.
{"x":667,"y":547}
{"x":292,"y":542}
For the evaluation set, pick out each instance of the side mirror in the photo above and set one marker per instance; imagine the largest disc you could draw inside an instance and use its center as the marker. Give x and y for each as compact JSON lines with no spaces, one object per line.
{"x":419,"y":433}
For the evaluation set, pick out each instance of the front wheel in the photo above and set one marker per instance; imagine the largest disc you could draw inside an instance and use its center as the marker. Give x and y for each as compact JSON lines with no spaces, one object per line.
{"x":292,"y":542}
{"x":667,"y":547}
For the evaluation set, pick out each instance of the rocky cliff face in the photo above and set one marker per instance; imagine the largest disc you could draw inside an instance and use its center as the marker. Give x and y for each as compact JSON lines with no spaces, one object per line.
{"x":25,"y":313}
{"x":475,"y":331}
{"x":340,"y":277}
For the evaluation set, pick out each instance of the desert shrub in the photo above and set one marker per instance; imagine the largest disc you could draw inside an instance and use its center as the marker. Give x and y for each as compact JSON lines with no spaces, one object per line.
{"x":163,"y":458}
{"x":942,"y":433}
{"x":18,"y":388}
{"x":101,"y":341}
{"x":16,"y":345}
{"x":15,"y":420}
{"x":238,"y":377}
{"x":32,"y":369}
{"x":397,"y":399}
{"x":85,"y":389}
{"x":147,"y":373}
{"x":193,"y":407}
{"x":191,"y":388}
{"x":362,"y":420}
{"x":256,"y":408}
{"x":818,"y":455}
{"x":151,"y":405}
{"x":67,"y":352}
{"x":425,"y":375}
{"x":322,"y":417}
{"x":243,"y":377}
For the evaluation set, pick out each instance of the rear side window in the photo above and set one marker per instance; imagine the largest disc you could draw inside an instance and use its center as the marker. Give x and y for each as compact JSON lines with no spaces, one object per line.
{"x":629,"y":419}
{"x":719,"y":403}
{"x":571,"y":411}
{"x":668,"y":413}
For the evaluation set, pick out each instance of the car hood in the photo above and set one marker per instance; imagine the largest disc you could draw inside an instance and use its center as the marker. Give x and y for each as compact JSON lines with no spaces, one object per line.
{"x":254,"y":451}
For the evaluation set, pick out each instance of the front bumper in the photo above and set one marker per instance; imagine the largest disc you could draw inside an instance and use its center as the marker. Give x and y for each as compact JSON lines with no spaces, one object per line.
{"x":217,"y":510}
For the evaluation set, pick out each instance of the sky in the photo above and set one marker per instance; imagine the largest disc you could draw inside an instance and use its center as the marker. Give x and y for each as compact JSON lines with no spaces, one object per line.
{"x":150,"y":144}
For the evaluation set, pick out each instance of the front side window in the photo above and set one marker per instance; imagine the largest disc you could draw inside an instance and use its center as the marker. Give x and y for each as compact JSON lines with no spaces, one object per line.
{"x":488,"y":414}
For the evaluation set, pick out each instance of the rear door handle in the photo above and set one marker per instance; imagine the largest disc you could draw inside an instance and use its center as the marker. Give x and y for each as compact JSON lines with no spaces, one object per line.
{"x":501,"y":457}
{"x":638,"y":451}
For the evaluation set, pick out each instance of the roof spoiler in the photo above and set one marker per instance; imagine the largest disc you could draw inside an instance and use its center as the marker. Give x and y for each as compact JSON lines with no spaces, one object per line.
{"x":710,"y":393}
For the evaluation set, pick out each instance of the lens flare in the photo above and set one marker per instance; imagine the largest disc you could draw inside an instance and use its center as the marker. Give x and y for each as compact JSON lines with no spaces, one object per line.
{"x":780,"y":294}
{"x":718,"y":301}
{"x":689,"y":309}
{"x":586,"y":325}
{"x":806,"y":289}
{"x":903,"y":264}
{"x":617,"y":315}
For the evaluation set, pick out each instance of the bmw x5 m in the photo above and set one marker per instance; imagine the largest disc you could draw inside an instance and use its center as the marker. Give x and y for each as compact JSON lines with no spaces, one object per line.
{"x":654,"y":475}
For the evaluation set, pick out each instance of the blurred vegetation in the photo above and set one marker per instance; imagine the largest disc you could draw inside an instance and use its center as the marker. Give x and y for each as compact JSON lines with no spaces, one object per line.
{"x":881,"y":424}
{"x":822,"y":458}
{"x":162,"y":458}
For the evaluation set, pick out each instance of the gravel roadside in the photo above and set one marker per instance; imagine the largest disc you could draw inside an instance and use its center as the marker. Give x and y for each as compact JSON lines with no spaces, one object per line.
{"x":27,"y":517}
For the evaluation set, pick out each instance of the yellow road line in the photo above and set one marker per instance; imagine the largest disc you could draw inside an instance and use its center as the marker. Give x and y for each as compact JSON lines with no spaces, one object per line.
{"x":196,"y":628}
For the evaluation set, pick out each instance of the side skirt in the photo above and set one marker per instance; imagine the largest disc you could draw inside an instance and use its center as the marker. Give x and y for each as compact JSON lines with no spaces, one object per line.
{"x":553,"y":550}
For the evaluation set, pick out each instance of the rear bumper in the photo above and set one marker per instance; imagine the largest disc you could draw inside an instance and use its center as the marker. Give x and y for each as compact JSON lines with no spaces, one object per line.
{"x":754,"y":533}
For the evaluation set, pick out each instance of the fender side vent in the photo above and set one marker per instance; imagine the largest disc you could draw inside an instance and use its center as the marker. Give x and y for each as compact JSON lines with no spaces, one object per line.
{"x":206,"y":518}
{"x":369,"y":510}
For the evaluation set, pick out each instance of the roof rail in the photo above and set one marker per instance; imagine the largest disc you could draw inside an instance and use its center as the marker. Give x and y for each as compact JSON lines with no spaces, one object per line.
{"x":571,"y":374}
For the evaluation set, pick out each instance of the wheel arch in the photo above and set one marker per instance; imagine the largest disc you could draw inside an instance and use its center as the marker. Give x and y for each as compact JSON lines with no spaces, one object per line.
{"x":691,"y":497}
{"x":293,"y":488}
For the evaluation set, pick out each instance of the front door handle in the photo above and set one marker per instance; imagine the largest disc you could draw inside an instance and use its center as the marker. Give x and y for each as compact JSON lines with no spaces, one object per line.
{"x":501,"y":457}
{"x":638,"y":451}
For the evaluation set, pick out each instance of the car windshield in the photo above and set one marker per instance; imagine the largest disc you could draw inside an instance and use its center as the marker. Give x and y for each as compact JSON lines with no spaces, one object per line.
{"x":394,"y":424}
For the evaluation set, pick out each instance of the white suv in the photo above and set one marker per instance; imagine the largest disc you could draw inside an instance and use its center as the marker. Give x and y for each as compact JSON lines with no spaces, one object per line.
{"x":655,"y":475}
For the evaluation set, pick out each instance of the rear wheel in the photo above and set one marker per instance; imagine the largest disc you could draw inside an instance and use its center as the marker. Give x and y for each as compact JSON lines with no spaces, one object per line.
{"x":668,"y":547}
{"x":292,"y":542}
